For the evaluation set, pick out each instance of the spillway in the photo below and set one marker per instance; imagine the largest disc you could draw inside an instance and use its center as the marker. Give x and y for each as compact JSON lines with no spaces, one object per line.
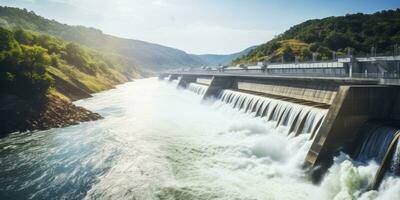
{"x":197,"y":88}
{"x":294,"y":111}
{"x":374,"y":142}
{"x":329,"y":112}
{"x":294,"y":118}
{"x":379,"y":142}
{"x":297,"y":118}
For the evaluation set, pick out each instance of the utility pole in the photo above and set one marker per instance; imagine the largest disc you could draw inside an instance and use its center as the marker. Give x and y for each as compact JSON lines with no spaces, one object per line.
{"x":350,"y":63}
{"x":333,"y":55}
{"x":373,"y":51}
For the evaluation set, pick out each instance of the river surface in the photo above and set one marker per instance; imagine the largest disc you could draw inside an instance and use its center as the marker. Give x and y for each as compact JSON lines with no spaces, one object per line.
{"x":157,"y":142}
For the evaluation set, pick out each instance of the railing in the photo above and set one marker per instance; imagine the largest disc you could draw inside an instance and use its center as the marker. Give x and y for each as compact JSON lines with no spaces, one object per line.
{"x":390,"y":56}
{"x":329,"y":69}
{"x":259,"y":72}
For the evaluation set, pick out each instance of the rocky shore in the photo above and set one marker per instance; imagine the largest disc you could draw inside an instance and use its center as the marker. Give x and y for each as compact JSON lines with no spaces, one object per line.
{"x":60,"y":113}
{"x":53,"y":112}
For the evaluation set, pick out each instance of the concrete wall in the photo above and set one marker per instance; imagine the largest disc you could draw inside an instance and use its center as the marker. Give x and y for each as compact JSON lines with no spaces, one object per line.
{"x":217,"y":83}
{"x":315,"y":93}
{"x":351,"y":108}
{"x":205,"y":81}
{"x":396,"y":108}
{"x":185,"y":80}
{"x":173,"y":77}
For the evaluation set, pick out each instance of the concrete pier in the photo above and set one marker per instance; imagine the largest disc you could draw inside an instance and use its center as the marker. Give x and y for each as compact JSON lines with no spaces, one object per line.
{"x":218,"y":83}
{"x":352,"y":107}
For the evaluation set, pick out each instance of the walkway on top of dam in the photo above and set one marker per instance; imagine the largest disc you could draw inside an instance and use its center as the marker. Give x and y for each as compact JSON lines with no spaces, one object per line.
{"x":378,"y":70}
{"x":260,"y":75}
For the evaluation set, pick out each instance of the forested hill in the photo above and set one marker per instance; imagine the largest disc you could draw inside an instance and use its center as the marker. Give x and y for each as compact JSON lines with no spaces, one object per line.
{"x":138,"y":53}
{"x":359,"y":32}
{"x":40,"y":74}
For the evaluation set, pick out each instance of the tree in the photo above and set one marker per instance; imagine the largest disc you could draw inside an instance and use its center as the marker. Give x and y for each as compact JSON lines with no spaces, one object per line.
{"x":288,"y":54}
{"x":7,"y":41}
{"x":77,"y":56}
{"x":23,"y":37}
{"x":305,"y":54}
{"x":336,"y":41}
{"x":31,"y":74}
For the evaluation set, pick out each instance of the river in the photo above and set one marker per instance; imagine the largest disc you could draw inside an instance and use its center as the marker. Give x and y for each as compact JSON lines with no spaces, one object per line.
{"x":157,"y":142}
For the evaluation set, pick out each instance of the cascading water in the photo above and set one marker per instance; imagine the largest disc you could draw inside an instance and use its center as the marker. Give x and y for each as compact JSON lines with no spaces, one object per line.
{"x":395,"y":163}
{"x":297,"y":119}
{"x":175,"y":81}
{"x":197,"y":88}
{"x":374,"y":142}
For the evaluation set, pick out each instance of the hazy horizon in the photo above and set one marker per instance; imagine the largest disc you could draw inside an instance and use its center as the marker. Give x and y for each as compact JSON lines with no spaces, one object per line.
{"x":222,"y":27}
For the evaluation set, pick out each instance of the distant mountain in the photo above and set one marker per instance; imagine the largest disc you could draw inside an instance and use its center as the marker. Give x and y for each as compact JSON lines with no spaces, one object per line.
{"x":138,"y":53}
{"x":215,"y":59}
{"x":321,"y":37}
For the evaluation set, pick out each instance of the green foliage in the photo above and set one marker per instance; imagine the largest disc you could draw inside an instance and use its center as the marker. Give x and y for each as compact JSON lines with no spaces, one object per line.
{"x":288,"y":55}
{"x":336,"y":41}
{"x":7,"y":41}
{"x":23,"y":37}
{"x":26,"y":59}
{"x":305,"y":54}
{"x":23,"y":68}
{"x":78,"y":57}
{"x":357,"y":31}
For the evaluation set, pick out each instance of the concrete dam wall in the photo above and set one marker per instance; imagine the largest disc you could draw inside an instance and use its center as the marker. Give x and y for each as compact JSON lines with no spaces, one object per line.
{"x":356,"y":116}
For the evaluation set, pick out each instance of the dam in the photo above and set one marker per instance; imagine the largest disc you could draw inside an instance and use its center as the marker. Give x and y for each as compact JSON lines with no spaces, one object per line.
{"x":355,"y":113}
{"x":159,"y":142}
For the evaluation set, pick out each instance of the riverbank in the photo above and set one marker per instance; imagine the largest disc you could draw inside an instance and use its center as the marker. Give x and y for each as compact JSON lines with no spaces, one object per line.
{"x":39,"y":81}
{"x":17,"y":115}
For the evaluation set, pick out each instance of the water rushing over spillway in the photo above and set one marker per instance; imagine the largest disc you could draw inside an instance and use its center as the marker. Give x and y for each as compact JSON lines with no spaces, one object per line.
{"x":157,"y":142}
{"x":197,"y":88}
{"x":295,"y":118}
{"x":374,"y":145}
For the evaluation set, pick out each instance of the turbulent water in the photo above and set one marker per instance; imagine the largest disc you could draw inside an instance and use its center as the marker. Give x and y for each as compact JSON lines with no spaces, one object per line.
{"x":157,"y":142}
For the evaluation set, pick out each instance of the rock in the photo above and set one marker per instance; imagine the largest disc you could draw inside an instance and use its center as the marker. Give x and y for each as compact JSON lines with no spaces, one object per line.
{"x":54,"y":113}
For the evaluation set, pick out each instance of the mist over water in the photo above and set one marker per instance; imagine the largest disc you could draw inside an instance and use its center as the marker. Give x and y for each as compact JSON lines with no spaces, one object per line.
{"x":157,"y":142}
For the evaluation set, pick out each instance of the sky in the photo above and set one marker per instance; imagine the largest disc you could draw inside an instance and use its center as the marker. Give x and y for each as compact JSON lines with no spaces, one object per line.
{"x":196,"y":26}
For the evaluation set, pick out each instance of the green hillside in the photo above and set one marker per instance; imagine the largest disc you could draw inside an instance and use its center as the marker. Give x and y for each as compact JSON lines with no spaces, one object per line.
{"x":30,"y":62}
{"x":137,"y":53}
{"x":358,"y":32}
{"x":41,"y":74}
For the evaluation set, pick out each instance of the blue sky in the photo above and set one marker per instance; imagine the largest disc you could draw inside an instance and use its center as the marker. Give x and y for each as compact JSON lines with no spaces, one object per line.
{"x":197,"y":26}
